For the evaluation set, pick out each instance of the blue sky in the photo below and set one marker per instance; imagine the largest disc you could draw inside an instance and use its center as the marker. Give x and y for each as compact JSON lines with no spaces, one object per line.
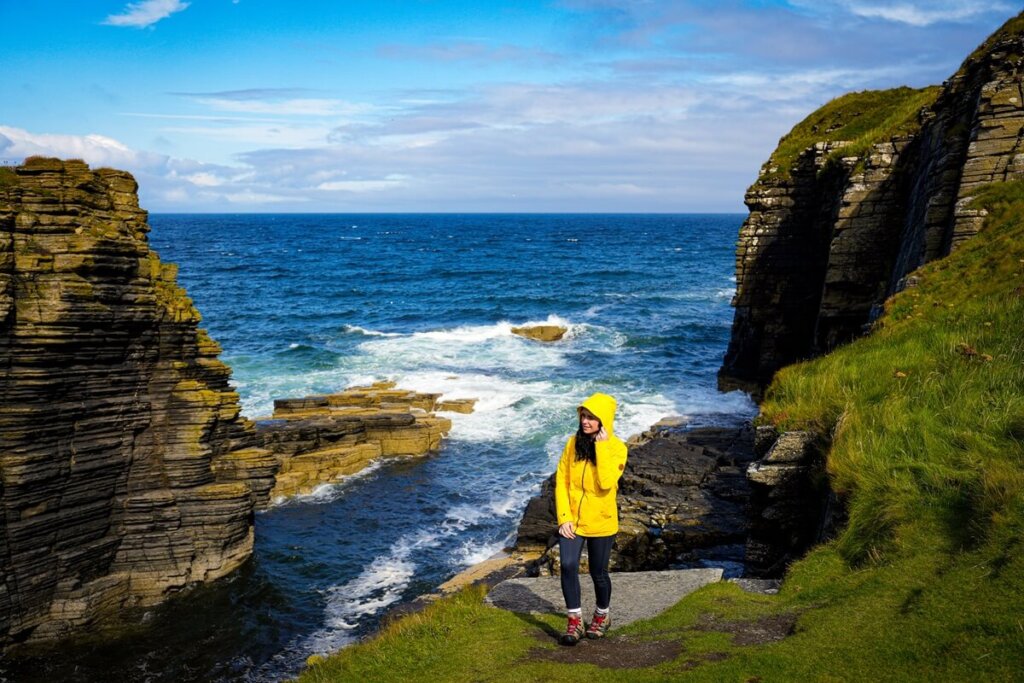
{"x":420,"y":105}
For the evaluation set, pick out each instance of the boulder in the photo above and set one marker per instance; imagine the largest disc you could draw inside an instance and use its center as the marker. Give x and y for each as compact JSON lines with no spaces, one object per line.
{"x":544,"y":333}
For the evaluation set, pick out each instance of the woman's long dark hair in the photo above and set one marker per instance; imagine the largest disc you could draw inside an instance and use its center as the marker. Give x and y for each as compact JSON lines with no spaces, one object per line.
{"x":585,"y":449}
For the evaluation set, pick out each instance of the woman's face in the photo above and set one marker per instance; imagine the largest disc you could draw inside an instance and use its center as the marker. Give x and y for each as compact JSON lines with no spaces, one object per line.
{"x":589,"y":422}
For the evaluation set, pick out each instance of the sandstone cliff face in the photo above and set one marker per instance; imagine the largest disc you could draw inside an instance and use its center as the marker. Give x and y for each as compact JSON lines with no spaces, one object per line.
{"x":126,"y":470}
{"x":828,"y":240}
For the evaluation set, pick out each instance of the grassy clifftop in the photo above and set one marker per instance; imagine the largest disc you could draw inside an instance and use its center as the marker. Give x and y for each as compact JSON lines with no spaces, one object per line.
{"x":926,"y":421}
{"x":860,"y":119}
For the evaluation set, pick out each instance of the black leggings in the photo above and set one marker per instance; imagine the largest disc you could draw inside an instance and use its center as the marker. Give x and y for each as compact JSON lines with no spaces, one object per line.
{"x":599,"y":549}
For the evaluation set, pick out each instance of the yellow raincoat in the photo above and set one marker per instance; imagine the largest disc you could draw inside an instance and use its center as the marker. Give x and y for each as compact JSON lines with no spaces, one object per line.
{"x":585,"y":492}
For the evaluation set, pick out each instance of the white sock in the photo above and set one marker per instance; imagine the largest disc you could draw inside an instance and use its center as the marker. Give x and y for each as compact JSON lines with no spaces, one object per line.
{"x":576,"y":613}
{"x":602,"y":612}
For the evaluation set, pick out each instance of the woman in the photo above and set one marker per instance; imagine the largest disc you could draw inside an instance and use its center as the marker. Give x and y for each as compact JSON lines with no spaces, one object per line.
{"x":585,"y":486}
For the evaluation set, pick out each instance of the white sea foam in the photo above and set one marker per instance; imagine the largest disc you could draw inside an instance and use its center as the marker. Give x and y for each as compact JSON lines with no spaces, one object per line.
{"x":477,"y":347}
{"x":505,"y":410}
{"x":472,"y":552}
{"x":356,"y":329}
{"x":710,"y":402}
{"x":380,"y":584}
{"x":259,"y":400}
{"x":508,"y":503}
{"x":325,"y":493}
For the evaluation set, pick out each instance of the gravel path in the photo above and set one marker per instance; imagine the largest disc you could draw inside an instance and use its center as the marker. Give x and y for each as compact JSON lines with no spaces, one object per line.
{"x":635,"y":595}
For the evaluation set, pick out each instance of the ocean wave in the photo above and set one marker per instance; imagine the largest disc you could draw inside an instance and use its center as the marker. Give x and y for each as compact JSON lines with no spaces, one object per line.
{"x":472,"y":551}
{"x":510,"y":502}
{"x":356,"y":329}
{"x":503,"y":328}
{"x":328,"y":492}
{"x":712,"y":403}
{"x":379,"y":585}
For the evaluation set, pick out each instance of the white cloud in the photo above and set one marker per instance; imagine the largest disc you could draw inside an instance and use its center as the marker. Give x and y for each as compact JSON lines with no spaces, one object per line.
{"x":270,"y":134}
{"x":923,"y":13}
{"x":204,"y":179}
{"x":390,"y":182}
{"x":807,"y":84}
{"x":288,"y":107}
{"x":97,"y":150}
{"x":145,"y":13}
{"x":251,"y":197}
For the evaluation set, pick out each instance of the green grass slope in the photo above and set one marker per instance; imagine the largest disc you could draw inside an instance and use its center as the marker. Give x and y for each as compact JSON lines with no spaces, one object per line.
{"x":926,"y":421}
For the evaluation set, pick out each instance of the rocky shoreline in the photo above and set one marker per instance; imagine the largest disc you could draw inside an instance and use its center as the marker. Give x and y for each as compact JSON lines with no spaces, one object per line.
{"x":742,"y":499}
{"x":128,"y":473}
{"x":321,"y":439}
{"x":689,"y":498}
{"x":834,"y":232}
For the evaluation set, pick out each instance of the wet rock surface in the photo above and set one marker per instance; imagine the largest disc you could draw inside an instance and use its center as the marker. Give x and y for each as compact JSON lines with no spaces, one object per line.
{"x":543,"y":333}
{"x":321,"y":439}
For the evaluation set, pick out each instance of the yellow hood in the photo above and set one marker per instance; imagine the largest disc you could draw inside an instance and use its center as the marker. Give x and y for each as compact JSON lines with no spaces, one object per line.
{"x":603,"y":406}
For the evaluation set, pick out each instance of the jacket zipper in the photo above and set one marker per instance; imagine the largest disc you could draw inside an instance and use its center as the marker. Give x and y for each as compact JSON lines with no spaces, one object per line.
{"x":579,"y":509}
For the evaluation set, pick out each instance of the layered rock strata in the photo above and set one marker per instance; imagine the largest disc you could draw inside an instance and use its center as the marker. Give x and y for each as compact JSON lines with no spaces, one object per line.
{"x":126,"y":469}
{"x":830,"y":238}
{"x":321,"y":439}
{"x":682,"y":502}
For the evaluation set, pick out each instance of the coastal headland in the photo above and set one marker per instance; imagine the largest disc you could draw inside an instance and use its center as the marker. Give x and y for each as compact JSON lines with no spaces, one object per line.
{"x":880,"y":294}
{"x":128,"y":472}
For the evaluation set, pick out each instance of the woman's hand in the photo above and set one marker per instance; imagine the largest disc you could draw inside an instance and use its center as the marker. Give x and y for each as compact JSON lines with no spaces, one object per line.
{"x":601,"y":435}
{"x":567,"y":530}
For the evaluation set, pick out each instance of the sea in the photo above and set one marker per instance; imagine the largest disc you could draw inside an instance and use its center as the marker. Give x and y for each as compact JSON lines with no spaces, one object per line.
{"x":310,"y":303}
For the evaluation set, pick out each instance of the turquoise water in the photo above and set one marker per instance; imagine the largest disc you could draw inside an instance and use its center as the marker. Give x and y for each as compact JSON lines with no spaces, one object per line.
{"x":316,"y":303}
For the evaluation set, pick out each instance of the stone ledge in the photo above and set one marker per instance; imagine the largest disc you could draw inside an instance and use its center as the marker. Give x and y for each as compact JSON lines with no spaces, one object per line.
{"x":635,"y":595}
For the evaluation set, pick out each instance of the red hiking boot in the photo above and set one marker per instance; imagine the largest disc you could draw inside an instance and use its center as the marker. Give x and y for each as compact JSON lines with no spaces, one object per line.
{"x":573,"y":632}
{"x":599,"y":625}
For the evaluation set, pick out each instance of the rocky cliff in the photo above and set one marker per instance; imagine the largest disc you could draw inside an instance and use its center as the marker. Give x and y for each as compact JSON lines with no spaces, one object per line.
{"x":862,"y":192}
{"x":126,"y":470}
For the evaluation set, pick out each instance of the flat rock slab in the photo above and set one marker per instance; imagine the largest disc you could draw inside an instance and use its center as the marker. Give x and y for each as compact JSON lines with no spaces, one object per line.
{"x":635,"y":595}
